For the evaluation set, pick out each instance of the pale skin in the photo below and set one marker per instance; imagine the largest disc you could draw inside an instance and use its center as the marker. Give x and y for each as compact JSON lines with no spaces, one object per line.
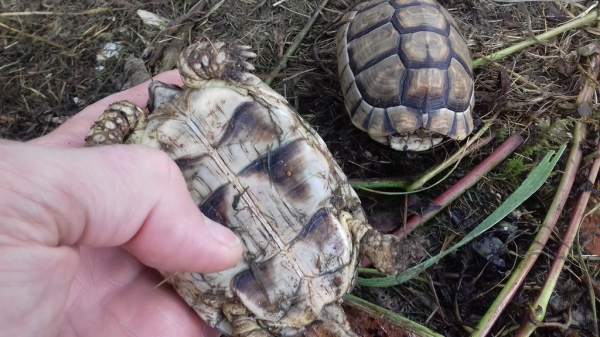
{"x":82,"y":230}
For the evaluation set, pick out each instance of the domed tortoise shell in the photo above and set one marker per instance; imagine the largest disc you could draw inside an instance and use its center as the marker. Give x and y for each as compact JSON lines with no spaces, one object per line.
{"x":406,"y":73}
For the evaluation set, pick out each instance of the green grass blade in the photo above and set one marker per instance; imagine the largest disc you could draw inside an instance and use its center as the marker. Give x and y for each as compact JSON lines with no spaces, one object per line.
{"x":534,"y":181}
{"x":390,"y":316}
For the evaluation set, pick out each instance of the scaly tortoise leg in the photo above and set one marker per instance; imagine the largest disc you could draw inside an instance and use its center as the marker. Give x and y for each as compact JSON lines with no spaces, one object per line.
{"x":115,"y":124}
{"x":206,"y":61}
{"x":388,"y":253}
{"x":243,"y":324}
{"x":334,"y":323}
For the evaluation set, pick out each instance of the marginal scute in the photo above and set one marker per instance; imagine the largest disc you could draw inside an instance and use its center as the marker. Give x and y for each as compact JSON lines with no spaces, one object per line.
{"x":461,"y":127}
{"x":461,"y":87}
{"x":404,"y":120}
{"x":425,"y":89}
{"x":448,"y":16}
{"x":425,"y":49}
{"x":460,"y":48}
{"x":381,"y":82}
{"x":442,"y":121}
{"x":347,"y":78}
{"x":353,"y":100}
{"x":362,"y":116}
{"x":370,"y":18}
{"x":379,"y":124}
{"x":378,"y":44}
{"x":423,"y":18}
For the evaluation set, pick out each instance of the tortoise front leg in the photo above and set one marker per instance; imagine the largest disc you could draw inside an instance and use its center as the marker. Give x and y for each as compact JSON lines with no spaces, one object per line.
{"x":243,"y":324}
{"x":205,"y":61}
{"x":115,"y":124}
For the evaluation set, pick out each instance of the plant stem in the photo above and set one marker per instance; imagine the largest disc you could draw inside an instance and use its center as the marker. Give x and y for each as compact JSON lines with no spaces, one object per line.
{"x":470,"y":146}
{"x":456,"y":190}
{"x":92,"y":11}
{"x":379,"y":183}
{"x":534,"y":181}
{"x":295,"y":44}
{"x":544,"y":233}
{"x":586,"y":20}
{"x":466,"y":149}
{"x":382,"y":313}
{"x":541,"y":304}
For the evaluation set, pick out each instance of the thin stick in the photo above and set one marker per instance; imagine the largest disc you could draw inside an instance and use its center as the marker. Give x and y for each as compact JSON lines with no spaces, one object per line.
{"x":540,"y":306}
{"x":455,"y":191}
{"x":466,"y":149}
{"x":588,"y":280}
{"x":176,"y":23}
{"x":33,"y":37}
{"x":92,"y":11}
{"x":586,"y":20}
{"x":518,"y":276}
{"x":295,"y":44}
{"x":382,"y":313}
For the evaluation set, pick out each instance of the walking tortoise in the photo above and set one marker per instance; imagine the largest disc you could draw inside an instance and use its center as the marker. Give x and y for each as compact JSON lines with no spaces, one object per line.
{"x":405,"y":73}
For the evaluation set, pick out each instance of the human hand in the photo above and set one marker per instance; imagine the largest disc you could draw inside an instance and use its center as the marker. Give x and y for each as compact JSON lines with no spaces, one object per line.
{"x":78,"y":226}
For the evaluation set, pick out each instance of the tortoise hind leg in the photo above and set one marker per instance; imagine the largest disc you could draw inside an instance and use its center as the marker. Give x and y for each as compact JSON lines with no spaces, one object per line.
{"x":115,"y":124}
{"x":243,"y":324}
{"x":333,"y":323}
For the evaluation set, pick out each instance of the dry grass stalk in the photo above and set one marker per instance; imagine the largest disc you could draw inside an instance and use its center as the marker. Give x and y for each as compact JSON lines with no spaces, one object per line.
{"x":538,"y":309}
{"x":93,"y":11}
{"x":539,"y":242}
{"x":295,"y":44}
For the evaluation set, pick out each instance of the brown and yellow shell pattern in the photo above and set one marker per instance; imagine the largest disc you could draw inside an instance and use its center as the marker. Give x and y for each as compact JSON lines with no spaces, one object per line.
{"x":405,"y":73}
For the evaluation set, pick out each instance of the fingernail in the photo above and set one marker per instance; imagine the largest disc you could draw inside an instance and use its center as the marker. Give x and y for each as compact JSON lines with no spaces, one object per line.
{"x":223,"y":235}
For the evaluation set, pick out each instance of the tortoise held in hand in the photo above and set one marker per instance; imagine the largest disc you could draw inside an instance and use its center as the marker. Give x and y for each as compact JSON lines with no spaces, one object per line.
{"x":405,"y":73}
{"x":252,"y":164}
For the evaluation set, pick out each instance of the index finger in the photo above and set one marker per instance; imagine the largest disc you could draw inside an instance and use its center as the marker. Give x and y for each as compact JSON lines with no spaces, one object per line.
{"x":73,"y":132}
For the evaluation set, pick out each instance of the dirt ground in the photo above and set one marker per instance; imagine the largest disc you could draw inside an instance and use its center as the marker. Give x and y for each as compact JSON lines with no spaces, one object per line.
{"x":49,"y":70}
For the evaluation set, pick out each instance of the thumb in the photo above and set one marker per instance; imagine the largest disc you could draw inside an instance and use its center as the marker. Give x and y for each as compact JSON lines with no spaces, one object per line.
{"x":110,"y":196}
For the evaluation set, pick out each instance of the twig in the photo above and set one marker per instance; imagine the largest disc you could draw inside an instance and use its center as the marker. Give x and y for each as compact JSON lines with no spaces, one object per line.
{"x":586,"y":20}
{"x":541,"y":304}
{"x":36,"y":38}
{"x":588,"y":91}
{"x":455,"y":191}
{"x":589,"y":281}
{"x":295,"y":44}
{"x":176,"y":23}
{"x":92,"y":11}
{"x":382,"y":313}
{"x":544,"y":233}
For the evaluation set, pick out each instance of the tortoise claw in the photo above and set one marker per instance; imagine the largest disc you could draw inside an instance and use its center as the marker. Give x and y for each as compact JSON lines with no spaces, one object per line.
{"x":204,"y":61}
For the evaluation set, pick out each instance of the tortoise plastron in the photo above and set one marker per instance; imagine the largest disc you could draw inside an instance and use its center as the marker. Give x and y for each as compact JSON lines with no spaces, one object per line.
{"x":253,"y":164}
